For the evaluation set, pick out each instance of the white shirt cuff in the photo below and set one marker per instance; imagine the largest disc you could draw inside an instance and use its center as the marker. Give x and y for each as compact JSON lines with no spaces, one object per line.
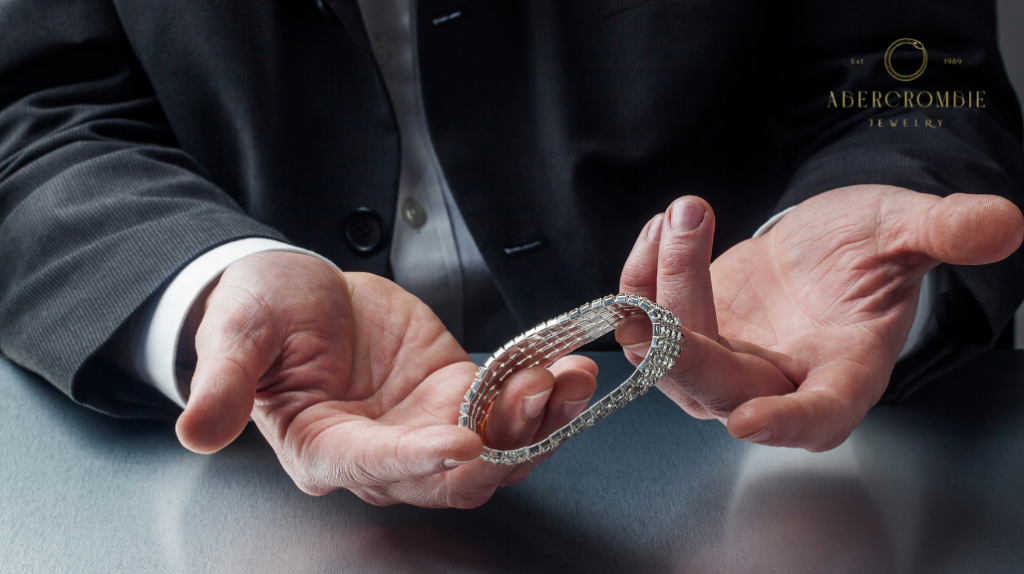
{"x":925,"y":325}
{"x":154,"y":331}
{"x":768,"y":225}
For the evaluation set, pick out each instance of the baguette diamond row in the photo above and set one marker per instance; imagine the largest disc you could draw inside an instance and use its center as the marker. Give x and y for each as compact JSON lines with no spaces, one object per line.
{"x":552,"y":340}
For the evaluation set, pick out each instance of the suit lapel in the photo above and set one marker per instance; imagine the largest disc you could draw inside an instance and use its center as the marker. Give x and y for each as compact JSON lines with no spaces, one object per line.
{"x":350,"y":17}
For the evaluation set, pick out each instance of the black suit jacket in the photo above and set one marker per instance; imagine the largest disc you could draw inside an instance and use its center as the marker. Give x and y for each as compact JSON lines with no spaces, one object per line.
{"x":137,"y":134}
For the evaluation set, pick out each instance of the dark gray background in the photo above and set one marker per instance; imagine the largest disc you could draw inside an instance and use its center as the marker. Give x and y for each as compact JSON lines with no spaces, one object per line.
{"x":1011,"y":40}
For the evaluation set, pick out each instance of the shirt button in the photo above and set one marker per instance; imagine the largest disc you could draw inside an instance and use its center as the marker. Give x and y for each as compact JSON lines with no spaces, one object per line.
{"x":365,"y":231}
{"x":413,"y":213}
{"x":381,"y":50}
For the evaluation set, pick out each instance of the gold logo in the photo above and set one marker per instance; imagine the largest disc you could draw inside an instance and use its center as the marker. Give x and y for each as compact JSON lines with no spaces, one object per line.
{"x":897,"y":44}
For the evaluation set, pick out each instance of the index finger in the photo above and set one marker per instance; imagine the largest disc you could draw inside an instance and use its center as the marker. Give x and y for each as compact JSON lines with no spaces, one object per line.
{"x":820,"y":415}
{"x":720,"y":379}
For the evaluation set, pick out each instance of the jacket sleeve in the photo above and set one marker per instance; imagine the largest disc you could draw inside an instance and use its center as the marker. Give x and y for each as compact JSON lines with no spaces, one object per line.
{"x":827,"y":49}
{"x":98,"y":204}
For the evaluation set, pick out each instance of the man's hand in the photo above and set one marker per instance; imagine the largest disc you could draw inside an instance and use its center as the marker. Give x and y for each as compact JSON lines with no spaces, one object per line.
{"x":799,"y":337}
{"x":356,"y":384}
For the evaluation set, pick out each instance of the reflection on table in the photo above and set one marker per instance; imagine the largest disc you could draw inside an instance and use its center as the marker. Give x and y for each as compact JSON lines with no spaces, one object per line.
{"x":933,"y":485}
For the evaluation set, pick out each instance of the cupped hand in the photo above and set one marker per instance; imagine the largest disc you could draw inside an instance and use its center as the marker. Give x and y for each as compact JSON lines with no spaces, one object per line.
{"x":356,"y":384}
{"x":799,"y":336}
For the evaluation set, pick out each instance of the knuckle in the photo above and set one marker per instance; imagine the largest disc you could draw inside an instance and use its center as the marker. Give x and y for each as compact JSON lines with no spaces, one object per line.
{"x":356,"y":474}
{"x":679,"y":265}
{"x":375,"y":498}
{"x":714,"y":411}
{"x":722,"y":404}
{"x":693,"y":408}
{"x":687,"y":375}
{"x":312,"y":487}
{"x":364,"y":468}
{"x":702,"y":413}
{"x":307,"y":480}
{"x":635,"y":277}
{"x":344,"y":474}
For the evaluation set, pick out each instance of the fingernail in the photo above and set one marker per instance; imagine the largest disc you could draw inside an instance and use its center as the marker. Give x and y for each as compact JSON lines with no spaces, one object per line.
{"x":654,"y":230}
{"x":762,"y":436}
{"x":572,"y":409}
{"x":533,"y":405}
{"x":686,"y":215}
{"x":450,"y":463}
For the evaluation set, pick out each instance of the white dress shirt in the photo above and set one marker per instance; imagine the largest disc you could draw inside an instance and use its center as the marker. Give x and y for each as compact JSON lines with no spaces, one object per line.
{"x":425,"y":259}
{"x":431,"y":257}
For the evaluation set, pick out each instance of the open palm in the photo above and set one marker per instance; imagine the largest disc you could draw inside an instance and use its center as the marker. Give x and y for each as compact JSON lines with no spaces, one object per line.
{"x":356,"y":384}
{"x":824,"y":300}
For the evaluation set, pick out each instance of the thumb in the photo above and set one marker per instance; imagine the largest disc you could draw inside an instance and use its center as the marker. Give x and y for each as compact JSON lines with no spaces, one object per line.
{"x":967,"y":229}
{"x":671,"y":263}
{"x":365,"y":453}
{"x":235,"y":344}
{"x":684,"y":265}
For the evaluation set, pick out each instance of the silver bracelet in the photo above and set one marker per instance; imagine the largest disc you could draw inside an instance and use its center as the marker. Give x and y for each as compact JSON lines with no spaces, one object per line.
{"x":550,"y":341}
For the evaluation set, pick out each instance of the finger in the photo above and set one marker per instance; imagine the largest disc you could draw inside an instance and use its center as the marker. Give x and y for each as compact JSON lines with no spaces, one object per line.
{"x":235,"y":344}
{"x":575,"y":383}
{"x":640,"y":273}
{"x":361,"y":453}
{"x":571,"y":362}
{"x":518,"y":411}
{"x":820,"y":416}
{"x":684,"y":265}
{"x":512,"y":421}
{"x":683,"y":283}
{"x":573,"y":389}
{"x":636,"y":352}
{"x":510,"y":424}
{"x":719,"y":379}
{"x":638,"y":331}
{"x":640,"y":277}
{"x":514,"y":418}
{"x":788,"y":366}
{"x":962,"y":229}
{"x":670,"y":263}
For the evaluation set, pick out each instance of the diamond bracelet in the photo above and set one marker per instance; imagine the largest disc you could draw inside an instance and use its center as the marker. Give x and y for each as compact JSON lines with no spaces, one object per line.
{"x":552,"y":340}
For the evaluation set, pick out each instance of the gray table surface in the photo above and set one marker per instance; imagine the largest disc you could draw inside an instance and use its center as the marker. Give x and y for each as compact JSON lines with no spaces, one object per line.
{"x":934,"y":485}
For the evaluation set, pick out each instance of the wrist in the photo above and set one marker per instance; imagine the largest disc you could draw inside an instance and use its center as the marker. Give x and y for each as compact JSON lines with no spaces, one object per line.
{"x":185,"y":353}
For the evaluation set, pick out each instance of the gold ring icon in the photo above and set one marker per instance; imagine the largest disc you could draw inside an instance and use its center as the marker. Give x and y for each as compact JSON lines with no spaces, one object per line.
{"x":888,"y":59}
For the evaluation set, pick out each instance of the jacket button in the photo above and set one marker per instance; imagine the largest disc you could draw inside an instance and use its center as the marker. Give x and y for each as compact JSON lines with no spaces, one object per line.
{"x":365,"y":231}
